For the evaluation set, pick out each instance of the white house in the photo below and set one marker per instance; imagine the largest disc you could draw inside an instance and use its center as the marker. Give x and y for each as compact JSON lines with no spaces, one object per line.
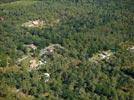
{"x":47,"y":76}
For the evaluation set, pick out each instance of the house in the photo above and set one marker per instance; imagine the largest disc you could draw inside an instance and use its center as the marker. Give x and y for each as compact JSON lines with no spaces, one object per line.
{"x":131,"y":49}
{"x":47,"y":51}
{"x":103,"y":55}
{"x":46,"y":76}
{"x":50,"y":49}
{"x":40,"y":63}
{"x":31,"y":46}
{"x":35,"y":23}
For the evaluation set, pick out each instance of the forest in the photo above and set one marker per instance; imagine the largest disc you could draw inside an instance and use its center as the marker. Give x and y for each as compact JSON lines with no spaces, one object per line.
{"x":66,"y":50}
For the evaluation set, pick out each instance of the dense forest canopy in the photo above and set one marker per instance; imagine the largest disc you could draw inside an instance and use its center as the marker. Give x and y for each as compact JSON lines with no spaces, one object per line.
{"x":66,"y":50}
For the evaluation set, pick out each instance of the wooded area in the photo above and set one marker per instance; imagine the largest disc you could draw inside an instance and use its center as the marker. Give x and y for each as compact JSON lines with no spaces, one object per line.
{"x":66,"y":50}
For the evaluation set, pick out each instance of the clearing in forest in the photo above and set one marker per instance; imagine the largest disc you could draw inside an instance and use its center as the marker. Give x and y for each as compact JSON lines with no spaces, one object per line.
{"x":40,"y":23}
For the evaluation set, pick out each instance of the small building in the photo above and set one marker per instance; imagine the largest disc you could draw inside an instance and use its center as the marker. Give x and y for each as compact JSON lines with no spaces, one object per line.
{"x":46,"y":76}
{"x":45,"y":62}
{"x":50,"y":50}
{"x":47,"y":51}
{"x":131,"y":49}
{"x":105,"y":55}
{"x":30,"y":47}
{"x":35,"y":23}
{"x":40,"y":63}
